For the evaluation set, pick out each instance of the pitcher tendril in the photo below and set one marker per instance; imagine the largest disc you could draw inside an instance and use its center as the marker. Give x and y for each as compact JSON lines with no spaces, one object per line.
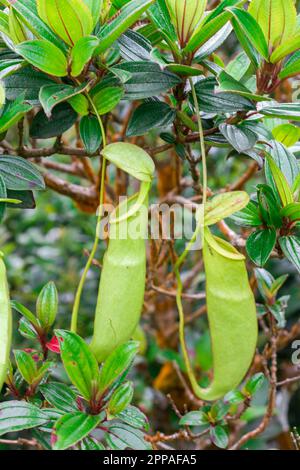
{"x":91,"y":257}
{"x":230,"y":301}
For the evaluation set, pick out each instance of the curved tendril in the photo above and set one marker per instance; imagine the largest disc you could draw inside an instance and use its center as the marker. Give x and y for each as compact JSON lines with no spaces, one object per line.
{"x":144,"y":190}
{"x":199,"y":230}
{"x":76,"y":305}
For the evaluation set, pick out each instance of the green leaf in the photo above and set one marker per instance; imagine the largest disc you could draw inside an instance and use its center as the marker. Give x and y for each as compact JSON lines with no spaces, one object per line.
{"x":60,"y":396}
{"x":127,"y":16}
{"x":82,"y":53}
{"x":25,"y":312}
{"x":291,"y":211}
{"x":120,"y":399}
{"x":269,"y":207}
{"x":278,"y":283}
{"x":291,"y":67}
{"x":234,"y":398}
{"x":91,"y":444}
{"x":277,"y":19}
{"x":148,"y":116}
{"x":252,"y":31}
{"x":20,"y":174}
{"x":47,"y":305}
{"x":63,"y":117}
{"x":12,"y":113}
{"x":131,"y":159}
{"x":160,"y":16}
{"x":194,"y":418}
{"x":27,"y":330}
{"x":95,"y":7}
{"x":106,"y":99}
{"x":52,"y":95}
{"x":26,"y":366}
{"x":73,"y":427}
{"x":27,"y":11}
{"x":248,"y":217}
{"x":134,"y":417}
{"x":291,"y":249}
{"x":3,"y":194}
{"x":285,"y":160}
{"x":69,"y":19}
{"x":90,"y":133}
{"x":120,"y":436}
{"x":224,"y":205}
{"x":285,"y":49}
{"x":216,"y":41}
{"x":260,"y":246}
{"x":219,"y":436}
{"x":80,"y":104}
{"x":281,"y":183}
{"x":45,"y":56}
{"x":290,"y":111}
{"x":229,"y":84}
{"x":219,"y":410}
{"x":18,"y":415}
{"x":286,"y":134}
{"x":79,"y":362}
{"x":117,"y":363}
{"x":147,"y":80}
{"x":206,"y":31}
{"x":255,"y":383}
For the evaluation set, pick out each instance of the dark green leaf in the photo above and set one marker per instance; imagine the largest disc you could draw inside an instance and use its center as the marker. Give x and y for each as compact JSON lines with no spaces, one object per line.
{"x":63,"y":117}
{"x":248,"y":217}
{"x":134,"y":46}
{"x":260,"y":246}
{"x":148,"y":116}
{"x":27,"y":81}
{"x":20,"y":174}
{"x":212,"y":102}
{"x":147,"y":80}
{"x":26,"y":198}
{"x":269,"y":207}
{"x":90,"y":133}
